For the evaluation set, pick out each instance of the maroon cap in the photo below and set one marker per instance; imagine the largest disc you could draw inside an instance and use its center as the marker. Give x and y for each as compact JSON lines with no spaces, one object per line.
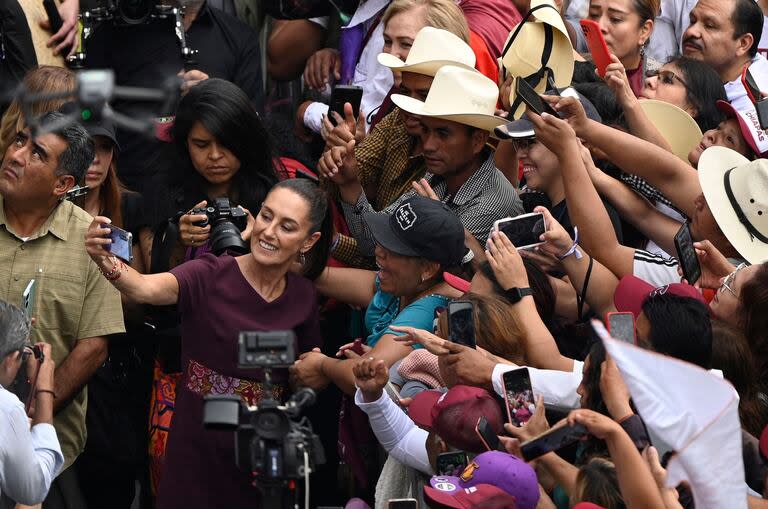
{"x":453,"y":415}
{"x":483,"y":496}
{"x":587,"y":505}
{"x":456,"y":282}
{"x":632,"y":292}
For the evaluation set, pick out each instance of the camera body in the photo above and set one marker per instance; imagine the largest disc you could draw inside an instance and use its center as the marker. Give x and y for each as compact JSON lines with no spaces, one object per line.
{"x":272,"y":441}
{"x":226,"y":224}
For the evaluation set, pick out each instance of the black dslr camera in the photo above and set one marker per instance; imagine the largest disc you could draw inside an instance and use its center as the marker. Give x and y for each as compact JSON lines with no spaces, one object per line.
{"x":226,"y":224}
{"x":272,"y":442}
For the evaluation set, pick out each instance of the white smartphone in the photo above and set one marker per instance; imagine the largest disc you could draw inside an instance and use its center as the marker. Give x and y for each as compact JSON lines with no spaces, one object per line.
{"x":524,"y":231}
{"x":28,"y":297}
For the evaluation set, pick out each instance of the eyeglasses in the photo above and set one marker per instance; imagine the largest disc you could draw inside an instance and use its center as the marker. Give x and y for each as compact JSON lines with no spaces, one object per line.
{"x":668,"y":78}
{"x":523,"y":143}
{"x":728,"y":281}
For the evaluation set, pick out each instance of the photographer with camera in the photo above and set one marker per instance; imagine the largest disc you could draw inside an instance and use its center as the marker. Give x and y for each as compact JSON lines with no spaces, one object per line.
{"x":217,"y":298}
{"x":29,"y":459}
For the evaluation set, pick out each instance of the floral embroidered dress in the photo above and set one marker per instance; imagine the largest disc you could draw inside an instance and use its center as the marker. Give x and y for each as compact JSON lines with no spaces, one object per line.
{"x":216,"y":302}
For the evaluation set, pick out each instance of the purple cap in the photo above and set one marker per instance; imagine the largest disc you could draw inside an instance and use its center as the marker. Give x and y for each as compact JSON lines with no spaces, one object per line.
{"x":499,"y":469}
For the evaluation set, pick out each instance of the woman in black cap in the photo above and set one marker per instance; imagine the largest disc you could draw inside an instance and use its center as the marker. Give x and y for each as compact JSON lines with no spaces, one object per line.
{"x":414,"y":247}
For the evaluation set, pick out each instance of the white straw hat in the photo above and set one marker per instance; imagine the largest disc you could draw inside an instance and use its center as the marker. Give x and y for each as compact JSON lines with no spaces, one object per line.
{"x":675,"y":125}
{"x":736,"y":190}
{"x":458,"y":95}
{"x":432,"y":49}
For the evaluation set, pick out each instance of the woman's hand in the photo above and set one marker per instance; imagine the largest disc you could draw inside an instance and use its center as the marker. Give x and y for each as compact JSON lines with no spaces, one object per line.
{"x":614,"y":390}
{"x":535,"y":426}
{"x":348,"y":350}
{"x":97,"y":241}
{"x":191,"y":235}
{"x":616,"y":78}
{"x":506,"y":262}
{"x":338,"y":164}
{"x":547,"y":262}
{"x":251,"y":222}
{"x":556,"y":240}
{"x":504,"y":92}
{"x":371,"y":375}
{"x":467,"y":366}
{"x":345,"y":129}
{"x":554,"y":133}
{"x":307,"y":371}
{"x":599,"y":425}
{"x":570,"y":110}
{"x":412,"y":336}
{"x":66,"y":37}
{"x":714,"y":266}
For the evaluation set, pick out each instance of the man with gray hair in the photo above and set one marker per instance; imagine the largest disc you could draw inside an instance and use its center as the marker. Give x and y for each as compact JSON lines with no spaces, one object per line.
{"x":29,"y":459}
{"x":41,"y":239}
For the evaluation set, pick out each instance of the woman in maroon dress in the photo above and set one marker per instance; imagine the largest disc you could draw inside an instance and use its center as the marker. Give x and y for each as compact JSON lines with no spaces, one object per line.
{"x":217,"y":298}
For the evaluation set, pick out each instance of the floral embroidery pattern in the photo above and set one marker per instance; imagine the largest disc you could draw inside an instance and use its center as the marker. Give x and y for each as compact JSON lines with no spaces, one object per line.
{"x":204,"y":381}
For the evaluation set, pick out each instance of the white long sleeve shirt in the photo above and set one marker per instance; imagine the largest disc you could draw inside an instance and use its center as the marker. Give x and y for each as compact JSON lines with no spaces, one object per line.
{"x":396,"y":432}
{"x":29,"y":458}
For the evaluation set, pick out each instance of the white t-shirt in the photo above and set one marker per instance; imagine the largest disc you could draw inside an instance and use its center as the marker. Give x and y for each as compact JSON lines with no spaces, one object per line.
{"x":654,"y":269}
{"x":735,"y":91}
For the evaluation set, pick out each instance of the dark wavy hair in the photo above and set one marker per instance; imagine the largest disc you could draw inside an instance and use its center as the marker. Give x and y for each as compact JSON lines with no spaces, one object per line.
{"x":703,"y":91}
{"x":227,"y":113}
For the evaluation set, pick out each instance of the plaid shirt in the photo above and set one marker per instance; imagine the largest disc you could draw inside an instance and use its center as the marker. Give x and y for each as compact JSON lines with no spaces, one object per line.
{"x":643,"y":188}
{"x":485,"y":197}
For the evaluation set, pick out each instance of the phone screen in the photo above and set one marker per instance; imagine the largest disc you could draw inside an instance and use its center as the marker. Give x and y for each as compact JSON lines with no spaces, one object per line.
{"x":622,"y":326}
{"x":451,"y":463}
{"x":524,"y":231}
{"x":531,"y":98}
{"x":343,"y":94}
{"x":518,"y":395}
{"x":461,"y":325}
{"x":552,"y":440}
{"x":122,"y":243}
{"x":487,"y":435}
{"x":686,"y":254}
{"x":28,"y":298}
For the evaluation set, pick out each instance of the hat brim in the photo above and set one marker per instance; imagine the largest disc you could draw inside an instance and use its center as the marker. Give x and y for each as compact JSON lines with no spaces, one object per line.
{"x":427,"y":68}
{"x":727,"y":108}
{"x":630,"y":294}
{"x":420,"y":409}
{"x":478,"y":120}
{"x":516,"y":130}
{"x":523,"y":57}
{"x":456,"y":282}
{"x":550,"y":17}
{"x":713,"y":165}
{"x":675,"y":125}
{"x":96,"y":130}
{"x":381,"y":229}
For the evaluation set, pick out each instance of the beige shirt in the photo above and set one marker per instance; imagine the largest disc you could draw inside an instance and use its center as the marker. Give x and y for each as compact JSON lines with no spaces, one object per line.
{"x":73,"y":300}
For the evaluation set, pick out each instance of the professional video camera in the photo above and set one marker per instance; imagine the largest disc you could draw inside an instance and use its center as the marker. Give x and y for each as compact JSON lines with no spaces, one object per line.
{"x":226,"y":224}
{"x":271,"y":442}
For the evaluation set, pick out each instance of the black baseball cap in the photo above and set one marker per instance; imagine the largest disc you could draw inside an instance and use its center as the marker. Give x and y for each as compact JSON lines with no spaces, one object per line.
{"x":523,"y":127}
{"x":420,"y":227}
{"x":103,"y":127}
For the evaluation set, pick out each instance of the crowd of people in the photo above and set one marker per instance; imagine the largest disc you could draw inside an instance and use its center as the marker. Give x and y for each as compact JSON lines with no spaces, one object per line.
{"x":516,"y":273}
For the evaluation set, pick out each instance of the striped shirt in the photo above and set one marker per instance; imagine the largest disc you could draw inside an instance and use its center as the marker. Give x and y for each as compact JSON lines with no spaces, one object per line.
{"x":484,"y":198}
{"x":73,"y":301}
{"x":654,"y":269}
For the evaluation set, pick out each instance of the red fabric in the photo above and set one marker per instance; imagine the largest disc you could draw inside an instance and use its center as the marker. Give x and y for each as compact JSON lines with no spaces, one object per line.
{"x":636,"y":79}
{"x":484,"y":61}
{"x":492,"y":20}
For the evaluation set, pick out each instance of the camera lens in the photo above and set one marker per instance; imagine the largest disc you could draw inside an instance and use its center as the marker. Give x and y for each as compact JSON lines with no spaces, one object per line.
{"x":135,"y":11}
{"x":271,"y":424}
{"x":225,"y":236}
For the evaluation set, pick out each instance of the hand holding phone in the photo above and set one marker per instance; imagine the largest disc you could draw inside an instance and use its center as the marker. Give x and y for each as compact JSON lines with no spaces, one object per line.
{"x":518,"y":396}
{"x":451,"y":463}
{"x":686,"y":254}
{"x":523,"y":231}
{"x":122,"y":242}
{"x":487,"y":435}
{"x":601,"y":56}
{"x":552,"y":440}
{"x":531,"y":98}
{"x":341,"y":95}
{"x":461,"y":325}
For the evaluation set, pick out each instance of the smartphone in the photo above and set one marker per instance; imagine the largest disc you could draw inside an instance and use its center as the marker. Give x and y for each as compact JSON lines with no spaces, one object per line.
{"x":489,"y":437}
{"x":28,"y":298}
{"x":461,"y":325}
{"x":686,"y":254}
{"x":23,"y":383}
{"x":601,"y":56}
{"x":392,"y":392}
{"x":524,"y":231}
{"x":750,"y":85}
{"x":518,"y":396}
{"x":53,"y":15}
{"x":531,"y":98}
{"x":554,"y":439}
{"x":621,"y":326}
{"x":122,"y":243}
{"x":451,"y":463}
{"x":402,"y":503}
{"x":341,"y":95}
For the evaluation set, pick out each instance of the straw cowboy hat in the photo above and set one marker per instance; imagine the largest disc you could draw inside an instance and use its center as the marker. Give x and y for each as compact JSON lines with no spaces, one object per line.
{"x":736,"y":190}
{"x":675,"y":125}
{"x":458,"y":95}
{"x":432,"y":49}
{"x":539,"y":51}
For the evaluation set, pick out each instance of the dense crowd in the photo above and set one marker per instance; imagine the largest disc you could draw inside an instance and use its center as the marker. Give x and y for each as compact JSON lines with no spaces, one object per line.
{"x":515,"y":248}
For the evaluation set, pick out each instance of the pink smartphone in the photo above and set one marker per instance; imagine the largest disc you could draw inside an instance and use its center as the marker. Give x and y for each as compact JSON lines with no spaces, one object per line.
{"x":601,"y":56}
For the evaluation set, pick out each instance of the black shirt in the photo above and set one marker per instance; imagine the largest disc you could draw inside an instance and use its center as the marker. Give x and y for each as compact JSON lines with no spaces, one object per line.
{"x":17,"y":53}
{"x":146,"y":55}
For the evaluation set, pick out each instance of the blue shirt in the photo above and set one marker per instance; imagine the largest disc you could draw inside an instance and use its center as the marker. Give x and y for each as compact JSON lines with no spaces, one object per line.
{"x":384,"y":311}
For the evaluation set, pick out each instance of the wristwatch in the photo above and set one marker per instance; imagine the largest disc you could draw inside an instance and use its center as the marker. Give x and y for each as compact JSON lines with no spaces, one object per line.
{"x":515,"y":295}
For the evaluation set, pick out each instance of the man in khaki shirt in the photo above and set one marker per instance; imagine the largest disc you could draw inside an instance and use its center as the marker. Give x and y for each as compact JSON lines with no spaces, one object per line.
{"x":41,"y":238}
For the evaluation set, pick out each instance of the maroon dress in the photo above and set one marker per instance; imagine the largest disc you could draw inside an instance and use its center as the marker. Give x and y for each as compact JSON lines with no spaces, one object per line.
{"x":215,"y":303}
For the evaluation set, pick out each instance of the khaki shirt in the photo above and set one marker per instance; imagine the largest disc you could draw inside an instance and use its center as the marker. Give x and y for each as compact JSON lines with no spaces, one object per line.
{"x":73,"y":300}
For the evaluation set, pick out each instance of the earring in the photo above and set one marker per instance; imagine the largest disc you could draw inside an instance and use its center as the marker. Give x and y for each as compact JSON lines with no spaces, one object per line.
{"x":302,"y":258}
{"x":422,"y":279}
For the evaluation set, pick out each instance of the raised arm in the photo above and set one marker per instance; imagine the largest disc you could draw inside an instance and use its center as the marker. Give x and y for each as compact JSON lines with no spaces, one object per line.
{"x":156,"y":289}
{"x":585,"y":208}
{"x":355,"y":287}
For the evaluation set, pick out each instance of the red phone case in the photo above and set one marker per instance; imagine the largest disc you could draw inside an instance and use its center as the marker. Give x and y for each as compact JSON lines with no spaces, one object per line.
{"x":601,"y":56}
{"x":754,"y":95}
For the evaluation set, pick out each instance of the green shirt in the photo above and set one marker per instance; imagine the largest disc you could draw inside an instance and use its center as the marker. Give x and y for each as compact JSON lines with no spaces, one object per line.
{"x":73,"y":300}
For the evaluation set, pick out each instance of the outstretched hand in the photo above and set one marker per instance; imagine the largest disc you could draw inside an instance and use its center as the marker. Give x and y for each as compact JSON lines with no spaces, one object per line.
{"x":505,"y":261}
